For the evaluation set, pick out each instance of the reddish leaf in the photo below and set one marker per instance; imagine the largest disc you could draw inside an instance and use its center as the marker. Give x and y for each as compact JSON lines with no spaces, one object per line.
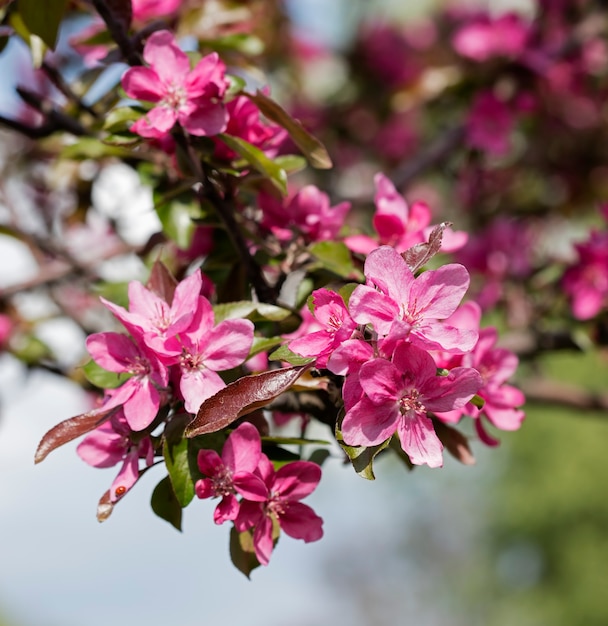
{"x":421,"y":253}
{"x":162,"y":282}
{"x":241,"y":397}
{"x":105,"y":507}
{"x":455,"y":442}
{"x":70,"y":429}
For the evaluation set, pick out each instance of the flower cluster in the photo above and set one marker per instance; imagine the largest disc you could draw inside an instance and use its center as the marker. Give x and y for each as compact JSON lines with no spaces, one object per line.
{"x":267,"y":496}
{"x":389,"y":342}
{"x":174,"y":352}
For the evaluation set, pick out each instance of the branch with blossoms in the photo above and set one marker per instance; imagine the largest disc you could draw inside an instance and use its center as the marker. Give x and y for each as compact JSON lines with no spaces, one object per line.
{"x":269,"y":333}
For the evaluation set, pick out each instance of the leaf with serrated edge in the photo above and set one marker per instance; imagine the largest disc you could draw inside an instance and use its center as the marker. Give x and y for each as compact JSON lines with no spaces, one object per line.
{"x":241,"y":397}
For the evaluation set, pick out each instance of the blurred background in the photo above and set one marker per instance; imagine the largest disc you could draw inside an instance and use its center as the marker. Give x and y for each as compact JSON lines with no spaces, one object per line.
{"x":517,"y":539}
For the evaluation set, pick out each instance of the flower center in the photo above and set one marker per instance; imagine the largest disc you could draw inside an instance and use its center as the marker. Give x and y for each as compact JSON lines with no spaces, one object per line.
{"x":410,"y":402}
{"x":276,"y":505}
{"x":222,"y":482}
{"x":175,"y":96}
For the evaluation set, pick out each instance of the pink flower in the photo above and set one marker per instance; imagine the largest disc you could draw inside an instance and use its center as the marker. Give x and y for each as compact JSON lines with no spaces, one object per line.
{"x":307,"y":212}
{"x":139,"y":396}
{"x":398,"y":224}
{"x":6,"y":328}
{"x":112,"y":443}
{"x":489,"y":124}
{"x":398,"y":395}
{"x":484,"y":38}
{"x":232,"y":473}
{"x":586,"y":282}
{"x":496,"y":366}
{"x":501,"y":251}
{"x":144,"y":10}
{"x":206,"y":349}
{"x":190,"y":97}
{"x":285,"y":488}
{"x":244,"y":122}
{"x":338,"y":326}
{"x":153,"y":319}
{"x":394,"y":301}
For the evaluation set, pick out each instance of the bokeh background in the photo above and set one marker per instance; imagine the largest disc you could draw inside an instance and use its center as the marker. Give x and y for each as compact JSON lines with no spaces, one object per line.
{"x":518,"y":539}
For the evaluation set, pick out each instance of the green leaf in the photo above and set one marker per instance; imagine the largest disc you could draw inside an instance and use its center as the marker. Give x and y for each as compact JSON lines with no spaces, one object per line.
{"x":335,"y":257}
{"x":29,"y":349}
{"x":117,"y":119}
{"x":291,"y":163}
{"x":43,"y":18}
{"x":114,"y":292}
{"x":257,"y":159}
{"x":165,"y":504}
{"x":236,"y":84}
{"x":477,"y":401}
{"x":244,"y":43}
{"x":262,"y":344}
{"x":92,"y":148}
{"x":285,"y":354}
{"x":242,"y":552}
{"x":361,"y":457}
{"x":101,"y":378}
{"x":255,"y":311}
{"x":319,"y":456}
{"x":177,"y":218}
{"x":175,"y":451}
{"x":311,"y":147}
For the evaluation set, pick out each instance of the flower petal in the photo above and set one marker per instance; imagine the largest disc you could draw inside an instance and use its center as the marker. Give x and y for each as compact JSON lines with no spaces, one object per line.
{"x":419,"y":440}
{"x":301,"y":522}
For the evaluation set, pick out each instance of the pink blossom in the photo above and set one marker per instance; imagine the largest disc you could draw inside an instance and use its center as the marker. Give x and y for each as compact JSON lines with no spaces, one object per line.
{"x":206,"y":349}
{"x":140,"y":395}
{"x":285,"y":488}
{"x":153,"y":319}
{"x":338,"y":326}
{"x":244,"y":122}
{"x":232,"y":473}
{"x":190,"y":97}
{"x":398,"y":394}
{"x":6,"y":328}
{"x":484,"y":38}
{"x":586,"y":282}
{"x":501,"y":251}
{"x":489,"y":124}
{"x":307,"y":212}
{"x":144,"y":10}
{"x":394,"y":301}
{"x":111,"y":443}
{"x":495,"y":366}
{"x":398,"y":224}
